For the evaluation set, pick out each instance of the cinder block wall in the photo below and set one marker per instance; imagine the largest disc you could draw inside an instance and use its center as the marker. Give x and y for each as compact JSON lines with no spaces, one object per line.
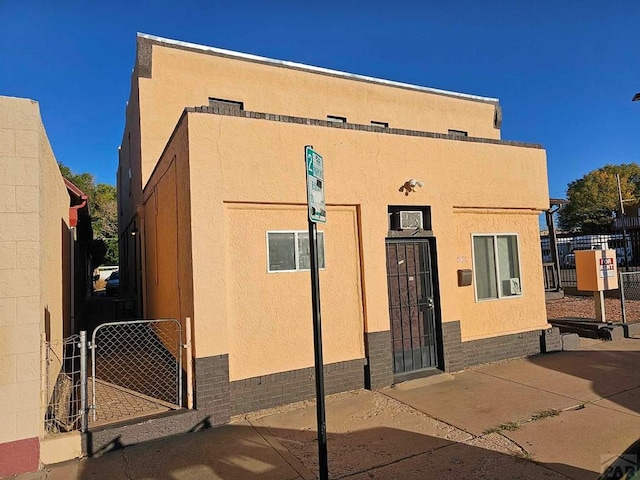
{"x":34,"y":207}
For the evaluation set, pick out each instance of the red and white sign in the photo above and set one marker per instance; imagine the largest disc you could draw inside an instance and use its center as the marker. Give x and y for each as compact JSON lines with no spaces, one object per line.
{"x":607,"y":267}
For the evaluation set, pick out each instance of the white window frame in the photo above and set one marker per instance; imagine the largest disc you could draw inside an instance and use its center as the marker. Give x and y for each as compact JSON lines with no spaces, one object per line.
{"x":497,"y":267}
{"x":295,"y":251}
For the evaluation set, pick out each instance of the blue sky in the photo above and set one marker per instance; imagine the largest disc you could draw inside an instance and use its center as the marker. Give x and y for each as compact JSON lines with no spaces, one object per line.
{"x":564,"y":71}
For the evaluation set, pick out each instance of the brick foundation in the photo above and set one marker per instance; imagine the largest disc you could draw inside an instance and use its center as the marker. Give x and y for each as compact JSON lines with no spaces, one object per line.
{"x":219,"y":398}
{"x":459,"y":355}
{"x":379,"y":366}
{"x":212,"y":388}
{"x":454,"y":356}
{"x":551,"y":340}
{"x":276,"y":389}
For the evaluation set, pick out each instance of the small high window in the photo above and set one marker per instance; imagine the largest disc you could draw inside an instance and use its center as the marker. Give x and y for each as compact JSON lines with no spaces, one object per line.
{"x":333,"y":118}
{"x":458,"y":133}
{"x":221,"y":102}
{"x":289,"y":251}
{"x":380,"y":124}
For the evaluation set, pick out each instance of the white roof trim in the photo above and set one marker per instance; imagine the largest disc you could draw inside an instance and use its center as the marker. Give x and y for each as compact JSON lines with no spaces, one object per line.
{"x":311,"y":68}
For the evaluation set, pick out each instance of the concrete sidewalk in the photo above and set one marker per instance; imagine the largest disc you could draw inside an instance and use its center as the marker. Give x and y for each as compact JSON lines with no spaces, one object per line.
{"x":571,"y":412}
{"x":553,"y":416}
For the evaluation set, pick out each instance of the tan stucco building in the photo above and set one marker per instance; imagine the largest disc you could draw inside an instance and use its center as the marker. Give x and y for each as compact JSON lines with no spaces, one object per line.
{"x":430,"y":254}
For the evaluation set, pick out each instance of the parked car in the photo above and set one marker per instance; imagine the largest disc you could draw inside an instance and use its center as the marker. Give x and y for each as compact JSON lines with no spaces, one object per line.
{"x":621,"y":259}
{"x":569,"y":261}
{"x":101,"y":275}
{"x":113,"y":284}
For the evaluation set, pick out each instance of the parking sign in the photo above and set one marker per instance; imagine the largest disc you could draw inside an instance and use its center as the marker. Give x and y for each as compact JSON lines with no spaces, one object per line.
{"x":315,"y":186}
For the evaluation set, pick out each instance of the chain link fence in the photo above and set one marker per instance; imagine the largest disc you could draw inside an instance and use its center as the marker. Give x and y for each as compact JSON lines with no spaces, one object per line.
{"x":136,"y":368}
{"x":629,"y":292}
{"x":65,"y":384}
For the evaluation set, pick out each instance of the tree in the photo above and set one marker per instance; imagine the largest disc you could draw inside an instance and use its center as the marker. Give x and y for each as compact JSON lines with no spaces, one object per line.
{"x":593,"y":199}
{"x":103,"y":205}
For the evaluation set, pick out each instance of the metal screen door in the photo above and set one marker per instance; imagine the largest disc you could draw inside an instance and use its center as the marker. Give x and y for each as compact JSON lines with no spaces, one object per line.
{"x":411,"y":305}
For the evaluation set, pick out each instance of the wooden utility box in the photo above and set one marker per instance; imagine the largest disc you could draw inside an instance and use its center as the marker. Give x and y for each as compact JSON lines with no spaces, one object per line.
{"x":596,"y":270}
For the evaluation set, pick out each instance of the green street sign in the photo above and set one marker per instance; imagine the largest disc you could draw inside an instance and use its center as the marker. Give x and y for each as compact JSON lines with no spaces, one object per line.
{"x":315,"y":186}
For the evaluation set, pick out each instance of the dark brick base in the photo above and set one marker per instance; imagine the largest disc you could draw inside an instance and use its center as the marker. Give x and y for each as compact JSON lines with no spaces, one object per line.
{"x":211,"y":389}
{"x":268,"y":391}
{"x":454,"y":354}
{"x":551,"y":340}
{"x":459,"y":355}
{"x":379,"y":365}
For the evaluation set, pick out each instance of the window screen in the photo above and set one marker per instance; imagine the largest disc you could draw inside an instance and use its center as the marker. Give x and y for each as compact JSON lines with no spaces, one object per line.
{"x":497,"y":266}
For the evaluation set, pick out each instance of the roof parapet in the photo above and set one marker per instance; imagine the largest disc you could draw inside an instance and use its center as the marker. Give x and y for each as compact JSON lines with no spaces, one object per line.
{"x":144,"y":66}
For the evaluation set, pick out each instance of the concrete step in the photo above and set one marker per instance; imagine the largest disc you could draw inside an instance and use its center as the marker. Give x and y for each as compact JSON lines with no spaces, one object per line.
{"x":589,"y":328}
{"x":106,"y":438}
{"x":570,"y":342}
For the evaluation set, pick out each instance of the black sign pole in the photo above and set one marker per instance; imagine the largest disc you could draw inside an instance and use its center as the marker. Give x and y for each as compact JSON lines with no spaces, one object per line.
{"x":317,"y":344}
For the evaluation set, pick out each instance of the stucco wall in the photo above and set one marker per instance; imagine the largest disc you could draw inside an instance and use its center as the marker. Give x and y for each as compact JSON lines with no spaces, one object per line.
{"x":269,"y":314}
{"x":166,"y":235}
{"x":235,"y":169}
{"x":511,"y":315}
{"x":129,"y":181}
{"x":34,"y":207}
{"x":166,"y":79}
{"x":162,"y":240}
{"x":181,"y":78}
{"x":494,"y":188}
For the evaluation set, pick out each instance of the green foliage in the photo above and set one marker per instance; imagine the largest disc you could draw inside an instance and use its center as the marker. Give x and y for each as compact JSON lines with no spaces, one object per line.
{"x":111,"y":257}
{"x":593,"y":199}
{"x":508,"y":426}
{"x":541,"y":415}
{"x":103,"y":206}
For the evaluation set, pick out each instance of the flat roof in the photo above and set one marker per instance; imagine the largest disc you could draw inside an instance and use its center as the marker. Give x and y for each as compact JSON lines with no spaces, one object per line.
{"x":311,"y":68}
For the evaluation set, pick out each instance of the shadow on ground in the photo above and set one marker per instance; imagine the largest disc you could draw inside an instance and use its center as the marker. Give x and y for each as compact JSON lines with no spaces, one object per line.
{"x":613,"y":375}
{"x":247,"y":452}
{"x":603,"y":382}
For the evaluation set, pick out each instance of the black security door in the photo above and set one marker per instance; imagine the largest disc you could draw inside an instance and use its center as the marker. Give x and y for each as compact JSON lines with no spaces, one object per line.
{"x":411,"y":305}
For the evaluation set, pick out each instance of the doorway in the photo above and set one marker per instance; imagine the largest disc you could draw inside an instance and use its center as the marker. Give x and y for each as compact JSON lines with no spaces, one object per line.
{"x":412,"y":305}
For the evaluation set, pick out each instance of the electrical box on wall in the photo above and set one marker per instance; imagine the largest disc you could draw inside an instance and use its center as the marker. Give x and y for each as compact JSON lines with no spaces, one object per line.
{"x":465,"y":277}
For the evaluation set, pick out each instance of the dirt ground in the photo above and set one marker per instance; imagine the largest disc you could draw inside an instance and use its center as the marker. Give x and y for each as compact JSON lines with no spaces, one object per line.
{"x":584,"y":307}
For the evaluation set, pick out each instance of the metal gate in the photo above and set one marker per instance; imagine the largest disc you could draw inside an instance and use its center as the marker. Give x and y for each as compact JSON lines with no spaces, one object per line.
{"x":411,"y":305}
{"x":136,"y":369}
{"x":65,"y":381}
